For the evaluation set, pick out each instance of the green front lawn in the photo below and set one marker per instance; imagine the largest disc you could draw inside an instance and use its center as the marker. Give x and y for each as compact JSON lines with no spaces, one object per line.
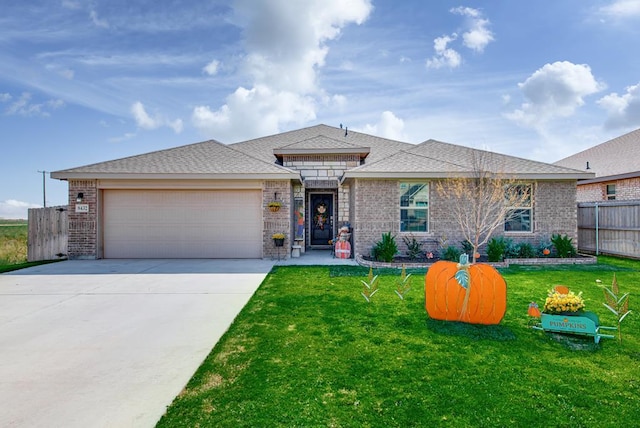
{"x":308,"y":350}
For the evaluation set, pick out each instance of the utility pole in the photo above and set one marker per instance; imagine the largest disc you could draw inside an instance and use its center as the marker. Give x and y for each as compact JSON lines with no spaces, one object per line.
{"x":44,"y":189}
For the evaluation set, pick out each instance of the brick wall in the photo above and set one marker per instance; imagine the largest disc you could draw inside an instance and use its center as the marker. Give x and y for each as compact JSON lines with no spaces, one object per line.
{"x":277,"y":221}
{"x":626,"y":190}
{"x":83,"y":227}
{"x":377,"y":211}
{"x":556,"y":209}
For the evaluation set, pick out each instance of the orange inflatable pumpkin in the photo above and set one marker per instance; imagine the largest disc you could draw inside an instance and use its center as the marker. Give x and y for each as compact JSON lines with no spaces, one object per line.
{"x":483,"y":301}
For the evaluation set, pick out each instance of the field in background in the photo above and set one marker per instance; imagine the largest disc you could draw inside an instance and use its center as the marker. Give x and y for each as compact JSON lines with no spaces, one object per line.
{"x":13,"y":242}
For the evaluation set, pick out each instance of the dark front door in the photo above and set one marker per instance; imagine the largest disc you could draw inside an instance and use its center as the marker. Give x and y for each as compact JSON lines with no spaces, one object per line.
{"x":321,"y":226}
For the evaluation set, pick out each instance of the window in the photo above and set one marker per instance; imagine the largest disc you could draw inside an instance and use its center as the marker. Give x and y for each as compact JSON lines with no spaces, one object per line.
{"x":611,"y":192}
{"x":414,"y":207}
{"x":518,"y":218}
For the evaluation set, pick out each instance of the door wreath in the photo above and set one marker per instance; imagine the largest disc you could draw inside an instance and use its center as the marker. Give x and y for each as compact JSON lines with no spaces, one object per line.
{"x":320,"y":217}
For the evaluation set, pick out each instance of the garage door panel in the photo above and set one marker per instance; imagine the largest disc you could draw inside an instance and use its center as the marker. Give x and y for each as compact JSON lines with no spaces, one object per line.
{"x":182,"y":224}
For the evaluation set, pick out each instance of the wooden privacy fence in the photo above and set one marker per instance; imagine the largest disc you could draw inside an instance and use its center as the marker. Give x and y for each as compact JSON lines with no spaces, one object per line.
{"x":611,"y":227}
{"x":48,"y":234}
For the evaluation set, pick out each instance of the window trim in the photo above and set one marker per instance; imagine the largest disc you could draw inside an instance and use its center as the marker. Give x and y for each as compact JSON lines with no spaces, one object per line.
{"x":610,"y":196}
{"x":425,"y":209}
{"x":529,"y":208}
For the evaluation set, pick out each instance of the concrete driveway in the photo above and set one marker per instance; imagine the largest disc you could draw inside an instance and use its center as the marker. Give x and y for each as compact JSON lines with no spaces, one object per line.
{"x":110,"y":343}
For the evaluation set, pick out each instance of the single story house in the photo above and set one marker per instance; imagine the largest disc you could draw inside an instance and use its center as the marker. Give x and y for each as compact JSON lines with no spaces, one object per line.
{"x":616,"y":165}
{"x":210,"y":200}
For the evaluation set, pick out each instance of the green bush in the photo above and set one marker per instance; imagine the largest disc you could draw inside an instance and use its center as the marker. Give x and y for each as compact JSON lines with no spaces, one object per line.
{"x":544,"y":244}
{"x":414,"y":247}
{"x":526,"y":251}
{"x":385,"y":249}
{"x":496,"y":248}
{"x":451,"y":254}
{"x":563,"y":245}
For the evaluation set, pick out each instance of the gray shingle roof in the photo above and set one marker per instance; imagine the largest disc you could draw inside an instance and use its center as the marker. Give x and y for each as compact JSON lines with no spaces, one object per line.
{"x":618,"y":156}
{"x":255,"y":159}
{"x":437,"y":159}
{"x":209,"y":158}
{"x":263,"y":147}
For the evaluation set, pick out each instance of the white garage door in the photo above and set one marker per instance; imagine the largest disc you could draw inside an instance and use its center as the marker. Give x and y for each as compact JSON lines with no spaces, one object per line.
{"x":182,"y":224}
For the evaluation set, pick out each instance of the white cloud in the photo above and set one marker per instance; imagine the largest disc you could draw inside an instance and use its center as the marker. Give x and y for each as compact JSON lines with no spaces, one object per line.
{"x":102,"y":23}
{"x":444,"y":57}
{"x":212,"y":68}
{"x":23,"y":106}
{"x":144,"y":121}
{"x":478,"y":36}
{"x":12,"y":209}
{"x":253,"y":112}
{"x":389,"y":126}
{"x":475,"y":37}
{"x":126,"y":136}
{"x":623,"y":110}
{"x":622,"y":8}
{"x":67,"y":73}
{"x":285,"y":47}
{"x":553,"y":91}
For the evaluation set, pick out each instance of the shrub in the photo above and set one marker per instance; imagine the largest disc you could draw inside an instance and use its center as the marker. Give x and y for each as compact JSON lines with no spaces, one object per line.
{"x":526,"y":251}
{"x":451,"y":254}
{"x":544,"y":248}
{"x":563,"y":245}
{"x":414,"y":247}
{"x":385,"y":249}
{"x":496,"y":248}
{"x":511,"y":250}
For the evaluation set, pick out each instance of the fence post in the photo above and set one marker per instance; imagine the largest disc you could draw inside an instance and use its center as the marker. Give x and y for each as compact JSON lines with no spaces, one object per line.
{"x":597,"y":230}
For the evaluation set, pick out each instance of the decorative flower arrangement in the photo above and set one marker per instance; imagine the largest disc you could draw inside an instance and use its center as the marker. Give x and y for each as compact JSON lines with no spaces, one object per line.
{"x":274,"y":206}
{"x":278,"y":236}
{"x":561,"y":300}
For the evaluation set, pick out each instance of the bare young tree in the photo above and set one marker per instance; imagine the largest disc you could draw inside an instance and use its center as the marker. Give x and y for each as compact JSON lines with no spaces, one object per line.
{"x":484,"y":199}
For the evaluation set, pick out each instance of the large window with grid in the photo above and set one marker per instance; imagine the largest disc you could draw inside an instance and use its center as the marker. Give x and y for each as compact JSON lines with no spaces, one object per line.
{"x":414,"y":207}
{"x":519,"y":217}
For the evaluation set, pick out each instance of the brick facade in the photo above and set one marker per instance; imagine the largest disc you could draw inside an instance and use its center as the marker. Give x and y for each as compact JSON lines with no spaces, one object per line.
{"x":83,"y":226}
{"x":626,"y":189}
{"x":377,"y":211}
{"x":277,"y":222}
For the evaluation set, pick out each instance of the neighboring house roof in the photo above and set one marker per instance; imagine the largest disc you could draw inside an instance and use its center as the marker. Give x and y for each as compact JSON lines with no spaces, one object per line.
{"x":257,"y":159}
{"x":209,"y":159}
{"x":435,"y":159}
{"x":613,"y":159}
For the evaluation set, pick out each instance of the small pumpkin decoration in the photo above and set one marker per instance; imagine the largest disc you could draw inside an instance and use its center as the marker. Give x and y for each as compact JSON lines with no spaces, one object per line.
{"x":534,"y":310}
{"x":546,"y":251}
{"x":561,"y":289}
{"x":471,"y":293}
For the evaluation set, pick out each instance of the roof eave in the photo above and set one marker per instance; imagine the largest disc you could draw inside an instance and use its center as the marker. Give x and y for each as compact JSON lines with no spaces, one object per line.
{"x":610,"y":178}
{"x":423,"y":175}
{"x":62,"y":175}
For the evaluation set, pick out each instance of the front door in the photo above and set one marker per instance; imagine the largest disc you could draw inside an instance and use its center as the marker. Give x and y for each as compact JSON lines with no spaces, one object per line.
{"x":321,"y":218}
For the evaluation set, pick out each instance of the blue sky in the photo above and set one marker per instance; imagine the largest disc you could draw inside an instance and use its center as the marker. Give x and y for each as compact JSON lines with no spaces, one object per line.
{"x":89,"y":81}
